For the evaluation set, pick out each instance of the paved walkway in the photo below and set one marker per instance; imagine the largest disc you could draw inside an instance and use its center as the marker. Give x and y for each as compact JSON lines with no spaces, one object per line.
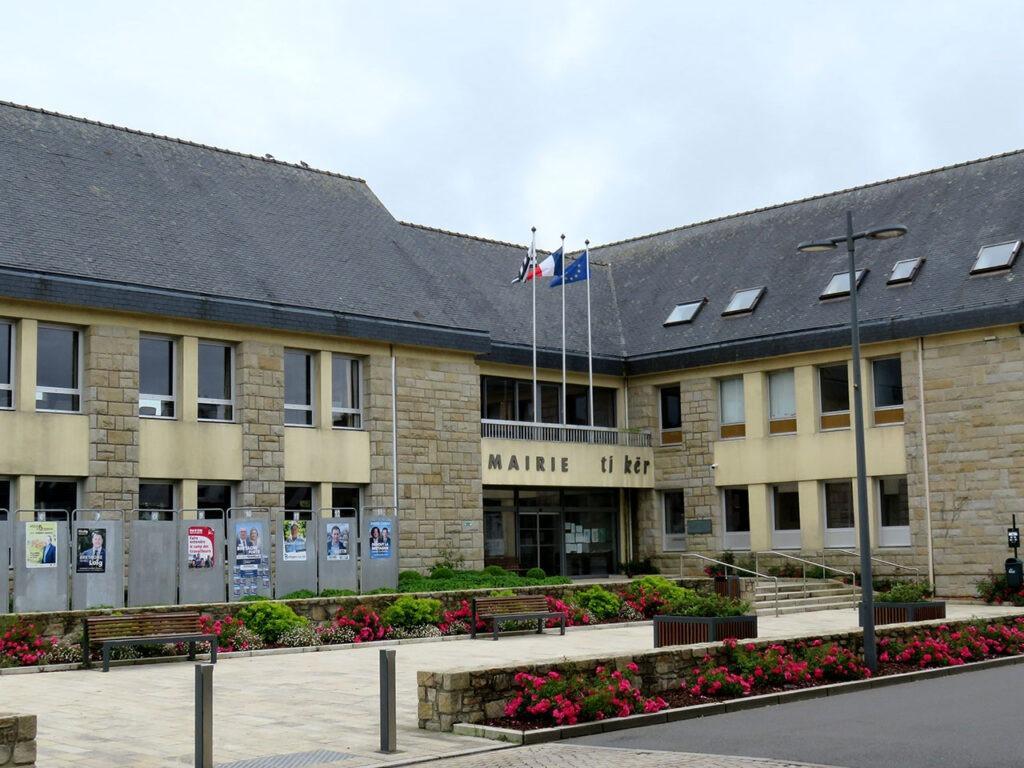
{"x":300,"y":702}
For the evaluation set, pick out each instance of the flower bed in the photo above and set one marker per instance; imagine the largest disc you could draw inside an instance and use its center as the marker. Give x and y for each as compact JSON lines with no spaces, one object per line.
{"x":995,"y":590}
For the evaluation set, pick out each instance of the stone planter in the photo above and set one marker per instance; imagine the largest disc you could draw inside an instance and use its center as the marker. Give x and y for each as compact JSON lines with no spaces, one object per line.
{"x":902,"y":613}
{"x":687,"y":630}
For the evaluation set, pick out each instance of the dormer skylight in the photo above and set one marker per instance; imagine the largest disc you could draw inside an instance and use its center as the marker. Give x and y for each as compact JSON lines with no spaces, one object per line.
{"x":904,"y":271}
{"x":839,"y":285}
{"x":744,"y":301}
{"x":998,"y":256}
{"x":685,"y":312}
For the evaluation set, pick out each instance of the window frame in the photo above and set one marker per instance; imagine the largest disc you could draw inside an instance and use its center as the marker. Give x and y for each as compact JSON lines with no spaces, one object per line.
{"x":781,"y":425}
{"x":11,"y":359}
{"x":232,"y":487}
{"x":731,"y":430}
{"x":734,"y":540}
{"x":697,"y":304}
{"x":357,"y":411}
{"x":886,"y":415}
{"x":891,"y":535}
{"x":918,"y":262}
{"x":838,"y":538}
{"x":672,"y":435}
{"x":79,"y":370}
{"x":173,"y":399}
{"x":858,"y":278}
{"x":76,"y":481}
{"x":233,"y":367}
{"x":761,"y":289}
{"x":309,"y":408}
{"x":175,"y":495}
{"x":976,"y":270}
{"x":785,"y":538}
{"x":672,"y":542}
{"x":314,"y":493}
{"x":833,"y":420}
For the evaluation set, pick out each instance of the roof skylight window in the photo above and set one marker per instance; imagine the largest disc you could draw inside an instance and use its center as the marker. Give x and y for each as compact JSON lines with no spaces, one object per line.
{"x":685,"y":312}
{"x":905,"y":271}
{"x":839,"y":285}
{"x":744,"y":301}
{"x":998,"y":256}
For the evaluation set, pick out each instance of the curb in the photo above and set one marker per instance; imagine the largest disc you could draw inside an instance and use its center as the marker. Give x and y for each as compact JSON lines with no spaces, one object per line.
{"x":557,"y":733}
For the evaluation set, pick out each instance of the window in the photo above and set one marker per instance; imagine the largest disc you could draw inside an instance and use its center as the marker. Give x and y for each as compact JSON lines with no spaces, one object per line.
{"x":346,"y":397}
{"x":894,"y":512}
{"x":671,"y":415}
{"x":839,"y":528}
{"x":730,"y":397}
{"x":216,"y":386}
{"x":674,"y":510}
{"x":786,"y":516}
{"x":212,"y":498}
{"x":156,"y":495}
{"x":156,"y":377}
{"x":684,"y":313}
{"x":737,"y":518}
{"x":577,"y":405}
{"x":839,"y":285}
{"x":6,"y":365}
{"x":298,"y":388}
{"x":5,"y":499}
{"x":57,"y":495}
{"x":58,"y":370}
{"x":834,"y":394}
{"x":998,"y":256}
{"x":887,"y":378}
{"x":781,"y":402}
{"x":550,"y":403}
{"x":298,"y":497}
{"x":905,"y":271}
{"x":744,"y":301}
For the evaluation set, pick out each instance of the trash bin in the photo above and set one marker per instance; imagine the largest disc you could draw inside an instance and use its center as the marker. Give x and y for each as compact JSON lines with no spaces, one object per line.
{"x":1014,"y":573}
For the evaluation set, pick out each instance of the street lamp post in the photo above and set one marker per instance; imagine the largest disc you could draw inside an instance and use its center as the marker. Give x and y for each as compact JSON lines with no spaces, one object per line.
{"x":867,"y":593}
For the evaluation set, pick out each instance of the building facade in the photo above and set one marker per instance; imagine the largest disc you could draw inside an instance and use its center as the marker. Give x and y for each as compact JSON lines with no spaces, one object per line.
{"x":185,"y":329}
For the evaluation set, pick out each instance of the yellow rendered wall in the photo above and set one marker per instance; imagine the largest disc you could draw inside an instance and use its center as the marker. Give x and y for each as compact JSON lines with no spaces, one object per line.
{"x":326,"y":455}
{"x":170,"y":450}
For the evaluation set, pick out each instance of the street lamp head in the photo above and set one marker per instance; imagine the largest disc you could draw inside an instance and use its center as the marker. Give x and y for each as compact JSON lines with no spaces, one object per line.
{"x":818,"y":246}
{"x":887,"y":233}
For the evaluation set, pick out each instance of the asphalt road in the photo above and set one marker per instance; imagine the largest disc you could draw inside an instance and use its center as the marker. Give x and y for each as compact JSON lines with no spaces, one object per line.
{"x":971,"y":720}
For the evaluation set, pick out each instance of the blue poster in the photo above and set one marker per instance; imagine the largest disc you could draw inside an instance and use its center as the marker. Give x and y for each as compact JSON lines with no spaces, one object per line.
{"x":380,"y":539}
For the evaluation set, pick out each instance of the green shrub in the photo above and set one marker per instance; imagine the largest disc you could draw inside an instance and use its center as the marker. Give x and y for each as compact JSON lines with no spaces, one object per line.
{"x":495,"y":570}
{"x":269,"y":620}
{"x":501,"y":593}
{"x":536,"y":573}
{"x":252,"y":598}
{"x":598,"y":602}
{"x":299,"y":594}
{"x":333,"y":592}
{"x":992,"y":589}
{"x":690,"y":603}
{"x":410,"y":576}
{"x":906,"y":592}
{"x":442,"y":572}
{"x":408,"y":612}
{"x":638,"y":567}
{"x":382,"y":591}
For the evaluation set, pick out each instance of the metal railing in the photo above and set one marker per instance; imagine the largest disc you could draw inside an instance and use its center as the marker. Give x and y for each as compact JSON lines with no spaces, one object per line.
{"x":915,"y":569}
{"x":774,"y":579}
{"x":563,"y":433}
{"x":851,"y":574}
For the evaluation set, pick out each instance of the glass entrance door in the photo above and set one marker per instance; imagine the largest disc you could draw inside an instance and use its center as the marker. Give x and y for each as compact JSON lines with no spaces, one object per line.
{"x":540,"y":540}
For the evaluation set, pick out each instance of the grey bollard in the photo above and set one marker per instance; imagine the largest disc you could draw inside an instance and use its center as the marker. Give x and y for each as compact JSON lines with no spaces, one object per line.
{"x":204,"y":715}
{"x":388,"y":734}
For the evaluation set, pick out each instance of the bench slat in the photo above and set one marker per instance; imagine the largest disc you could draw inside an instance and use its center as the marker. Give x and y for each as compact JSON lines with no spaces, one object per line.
{"x":102,"y":628}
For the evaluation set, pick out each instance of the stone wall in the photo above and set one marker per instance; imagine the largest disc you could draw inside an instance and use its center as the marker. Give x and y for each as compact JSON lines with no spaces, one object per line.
{"x":260,"y":399}
{"x":974,"y":398}
{"x":17,"y":740}
{"x":475,"y":695}
{"x":111,"y":398}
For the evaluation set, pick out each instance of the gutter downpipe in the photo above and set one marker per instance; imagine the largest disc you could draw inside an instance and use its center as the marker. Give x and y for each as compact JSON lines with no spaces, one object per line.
{"x":924,"y":452}
{"x":394,"y":430}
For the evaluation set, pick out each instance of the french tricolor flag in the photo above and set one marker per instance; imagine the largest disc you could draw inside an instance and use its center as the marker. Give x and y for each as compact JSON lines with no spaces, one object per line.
{"x":530,"y":269}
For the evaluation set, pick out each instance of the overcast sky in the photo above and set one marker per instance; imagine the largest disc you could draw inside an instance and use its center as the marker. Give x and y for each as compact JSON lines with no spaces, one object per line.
{"x":598,"y":119}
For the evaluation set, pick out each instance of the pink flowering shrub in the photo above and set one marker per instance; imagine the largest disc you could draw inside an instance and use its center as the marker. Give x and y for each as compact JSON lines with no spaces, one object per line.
{"x":994,"y":589}
{"x":943,"y":647}
{"x":229,"y":632}
{"x":457,"y":621}
{"x":22,"y":646}
{"x":557,"y":699}
{"x":364,"y":622}
{"x":574,"y":615}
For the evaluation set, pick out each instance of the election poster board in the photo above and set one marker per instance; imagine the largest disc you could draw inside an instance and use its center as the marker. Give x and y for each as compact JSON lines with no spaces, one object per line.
{"x":251,"y":571}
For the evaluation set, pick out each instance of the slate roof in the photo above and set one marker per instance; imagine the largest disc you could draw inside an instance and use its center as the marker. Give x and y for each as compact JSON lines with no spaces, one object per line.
{"x":105,"y":216}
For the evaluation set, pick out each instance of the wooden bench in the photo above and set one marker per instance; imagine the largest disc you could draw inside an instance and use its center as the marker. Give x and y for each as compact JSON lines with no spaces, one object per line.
{"x":143,"y":628}
{"x":514,"y":608}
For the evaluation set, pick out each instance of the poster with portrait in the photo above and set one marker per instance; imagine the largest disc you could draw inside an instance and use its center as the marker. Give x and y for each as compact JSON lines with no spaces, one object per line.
{"x":41,"y":545}
{"x":293,"y":534}
{"x":252,"y":563}
{"x":380,"y":539}
{"x":337,"y":540}
{"x":90,"y":550}
{"x":200,"y":546}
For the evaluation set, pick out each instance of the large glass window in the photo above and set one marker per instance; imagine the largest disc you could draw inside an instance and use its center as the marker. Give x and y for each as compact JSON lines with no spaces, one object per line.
{"x":58,"y":366}
{"x":671,"y":415}
{"x":57,"y":495}
{"x":839,"y":526}
{"x":674,"y":510}
{"x":212,"y":498}
{"x":216,"y":381}
{"x":887,"y":381}
{"x":786,"y":516}
{"x":578,"y":408}
{"x":346,"y":392}
{"x":732,"y":411}
{"x":894,"y":512}
{"x":5,"y":497}
{"x":298,"y":387}
{"x":299,"y":497}
{"x":156,"y":377}
{"x":156,"y":495}
{"x":781,"y":402}
{"x":6,"y":365}
{"x":737,"y":518}
{"x":834,"y":394}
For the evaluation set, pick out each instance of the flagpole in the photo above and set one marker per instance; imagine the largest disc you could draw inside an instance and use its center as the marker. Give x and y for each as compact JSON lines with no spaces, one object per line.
{"x":533,"y":281}
{"x":590,"y":343}
{"x":565,"y":414}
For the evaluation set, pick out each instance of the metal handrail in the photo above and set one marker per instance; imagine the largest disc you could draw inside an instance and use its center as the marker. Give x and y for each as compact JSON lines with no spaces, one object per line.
{"x":564,"y":433}
{"x":735,"y":567}
{"x":874,"y":559}
{"x":851,"y":574}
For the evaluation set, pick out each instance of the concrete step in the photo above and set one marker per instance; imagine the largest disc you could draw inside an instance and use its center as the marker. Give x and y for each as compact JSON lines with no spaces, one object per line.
{"x":806,"y":601}
{"x":786,"y":608}
{"x":786,"y":597}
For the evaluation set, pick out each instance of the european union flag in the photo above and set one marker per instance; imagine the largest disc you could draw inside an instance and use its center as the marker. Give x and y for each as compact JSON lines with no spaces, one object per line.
{"x":575,"y":272}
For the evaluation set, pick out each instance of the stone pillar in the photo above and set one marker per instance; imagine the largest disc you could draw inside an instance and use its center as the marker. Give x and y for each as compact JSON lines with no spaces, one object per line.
{"x":377,"y":421}
{"x":111,"y":389}
{"x":17,"y":740}
{"x":260,"y":401}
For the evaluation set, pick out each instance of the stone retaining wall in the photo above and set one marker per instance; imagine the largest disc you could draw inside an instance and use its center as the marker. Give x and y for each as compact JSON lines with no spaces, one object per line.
{"x":475,"y":695}
{"x":17,"y":740}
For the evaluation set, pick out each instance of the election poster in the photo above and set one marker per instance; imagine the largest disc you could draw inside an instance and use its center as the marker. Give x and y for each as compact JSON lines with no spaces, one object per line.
{"x":252,"y":561}
{"x":90,"y":550}
{"x":380,"y":539}
{"x":293,"y":534}
{"x":338,"y":540}
{"x":201,"y":547}
{"x":41,"y":545}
